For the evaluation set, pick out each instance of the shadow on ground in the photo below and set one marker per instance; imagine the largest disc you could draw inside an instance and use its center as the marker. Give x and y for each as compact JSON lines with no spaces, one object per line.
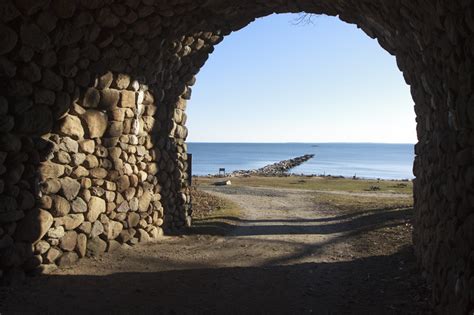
{"x":321,"y":288}
{"x":379,"y":284}
{"x":356,"y":222}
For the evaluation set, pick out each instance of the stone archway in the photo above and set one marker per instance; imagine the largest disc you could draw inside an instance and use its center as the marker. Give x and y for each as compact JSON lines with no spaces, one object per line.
{"x":92,"y":135}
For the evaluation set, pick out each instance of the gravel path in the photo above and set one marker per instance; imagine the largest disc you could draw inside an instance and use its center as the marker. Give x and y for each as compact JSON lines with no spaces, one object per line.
{"x":285,"y":254}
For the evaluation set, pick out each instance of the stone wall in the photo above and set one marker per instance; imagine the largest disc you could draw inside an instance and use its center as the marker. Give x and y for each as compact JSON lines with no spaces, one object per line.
{"x":92,"y":121}
{"x":92,"y":154}
{"x":98,"y":181}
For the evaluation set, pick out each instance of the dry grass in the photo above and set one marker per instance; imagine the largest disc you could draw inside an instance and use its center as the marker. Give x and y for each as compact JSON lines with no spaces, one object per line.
{"x":350,"y":203}
{"x":208,"y":206}
{"x":317,"y":183}
{"x":334,"y":194}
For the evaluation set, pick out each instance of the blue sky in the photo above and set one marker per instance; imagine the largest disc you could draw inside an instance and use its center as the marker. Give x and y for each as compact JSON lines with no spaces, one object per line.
{"x":274,"y":81}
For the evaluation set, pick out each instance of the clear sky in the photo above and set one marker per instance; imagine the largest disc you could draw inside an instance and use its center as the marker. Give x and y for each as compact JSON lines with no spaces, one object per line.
{"x":274,"y":81}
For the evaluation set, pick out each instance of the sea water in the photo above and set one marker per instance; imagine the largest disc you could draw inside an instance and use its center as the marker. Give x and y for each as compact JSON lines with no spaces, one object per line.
{"x":365,"y":160}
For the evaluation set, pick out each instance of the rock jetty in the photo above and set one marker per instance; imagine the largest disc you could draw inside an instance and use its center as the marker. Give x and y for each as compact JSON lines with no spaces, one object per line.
{"x":276,"y":169}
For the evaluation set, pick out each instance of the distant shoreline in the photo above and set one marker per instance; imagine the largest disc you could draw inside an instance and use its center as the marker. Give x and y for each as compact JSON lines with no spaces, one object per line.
{"x":282,"y":169}
{"x":229,"y":176}
{"x":364,"y":160}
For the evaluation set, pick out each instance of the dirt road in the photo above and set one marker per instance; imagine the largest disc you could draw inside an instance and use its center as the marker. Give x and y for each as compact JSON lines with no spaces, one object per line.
{"x":285,"y":253}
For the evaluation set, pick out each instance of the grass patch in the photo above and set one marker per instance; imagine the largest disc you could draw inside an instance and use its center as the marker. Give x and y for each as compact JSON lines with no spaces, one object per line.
{"x":317,"y":183}
{"x":207,"y":206}
{"x":350,"y":203}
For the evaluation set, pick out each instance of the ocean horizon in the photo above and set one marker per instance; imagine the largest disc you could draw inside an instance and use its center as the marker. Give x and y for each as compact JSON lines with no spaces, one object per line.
{"x":361,"y":159}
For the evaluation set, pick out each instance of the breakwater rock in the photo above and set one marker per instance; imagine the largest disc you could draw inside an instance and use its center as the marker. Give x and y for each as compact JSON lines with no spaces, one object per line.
{"x":276,"y":169}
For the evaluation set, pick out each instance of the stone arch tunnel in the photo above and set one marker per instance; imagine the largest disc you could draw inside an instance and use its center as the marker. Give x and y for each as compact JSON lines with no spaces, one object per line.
{"x":92,"y":121}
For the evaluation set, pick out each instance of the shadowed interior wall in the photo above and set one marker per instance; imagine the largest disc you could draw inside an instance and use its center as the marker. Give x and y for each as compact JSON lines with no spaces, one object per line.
{"x":92,"y":122}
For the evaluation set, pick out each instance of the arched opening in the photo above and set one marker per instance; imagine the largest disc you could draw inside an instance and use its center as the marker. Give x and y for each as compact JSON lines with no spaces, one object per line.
{"x":270,"y":94}
{"x":286,"y":83}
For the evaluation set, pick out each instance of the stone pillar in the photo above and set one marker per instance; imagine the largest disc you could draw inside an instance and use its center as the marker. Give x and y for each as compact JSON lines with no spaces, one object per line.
{"x":90,"y":157}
